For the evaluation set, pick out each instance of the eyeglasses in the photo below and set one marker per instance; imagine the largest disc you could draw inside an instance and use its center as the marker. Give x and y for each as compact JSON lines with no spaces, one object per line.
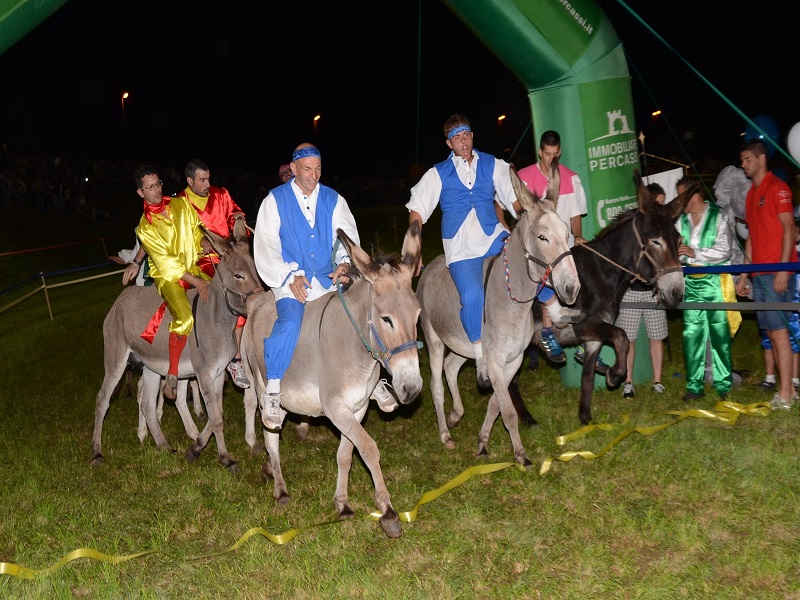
{"x":155,"y":186}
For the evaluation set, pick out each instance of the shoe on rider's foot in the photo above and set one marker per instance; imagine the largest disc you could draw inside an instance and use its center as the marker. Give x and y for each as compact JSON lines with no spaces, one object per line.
{"x":170,"y":389}
{"x":270,"y":406}
{"x":236,"y":371}
{"x":550,"y":346}
{"x":381,"y":394}
{"x":599,"y":366}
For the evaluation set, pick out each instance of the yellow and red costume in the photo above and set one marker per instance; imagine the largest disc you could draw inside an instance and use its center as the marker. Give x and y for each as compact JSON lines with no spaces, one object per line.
{"x":170,"y":233}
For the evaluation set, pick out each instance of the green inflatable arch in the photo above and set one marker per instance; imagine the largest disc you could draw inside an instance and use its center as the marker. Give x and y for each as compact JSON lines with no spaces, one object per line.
{"x":567,"y":55}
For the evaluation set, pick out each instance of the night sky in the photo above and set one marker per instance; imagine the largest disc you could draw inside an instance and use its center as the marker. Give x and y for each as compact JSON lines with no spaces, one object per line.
{"x":238,"y":84}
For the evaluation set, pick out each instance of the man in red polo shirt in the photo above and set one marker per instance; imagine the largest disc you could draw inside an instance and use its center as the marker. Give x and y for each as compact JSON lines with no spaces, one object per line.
{"x":770,"y":218}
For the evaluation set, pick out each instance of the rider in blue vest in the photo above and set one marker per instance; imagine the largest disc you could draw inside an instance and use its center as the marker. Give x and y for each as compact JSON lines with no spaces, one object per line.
{"x":464,"y":186}
{"x":292,"y":247}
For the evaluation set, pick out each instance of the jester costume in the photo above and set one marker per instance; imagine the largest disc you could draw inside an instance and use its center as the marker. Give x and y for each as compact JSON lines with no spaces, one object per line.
{"x":711,"y":242}
{"x":170,"y":233}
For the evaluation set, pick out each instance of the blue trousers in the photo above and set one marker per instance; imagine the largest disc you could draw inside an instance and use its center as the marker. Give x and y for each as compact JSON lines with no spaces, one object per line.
{"x":468,"y":276}
{"x":279,"y":346}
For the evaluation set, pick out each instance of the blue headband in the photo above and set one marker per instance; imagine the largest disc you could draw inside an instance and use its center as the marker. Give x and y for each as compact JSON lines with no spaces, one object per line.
{"x":305,"y":153}
{"x":458,"y":129}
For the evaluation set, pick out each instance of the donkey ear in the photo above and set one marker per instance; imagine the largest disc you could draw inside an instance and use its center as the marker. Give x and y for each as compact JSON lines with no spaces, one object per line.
{"x":678,"y":205}
{"x":554,"y":182}
{"x":412,"y":246}
{"x":525,"y":196}
{"x":641,"y":191}
{"x":240,"y":229}
{"x":217,"y":242}
{"x":358,"y":256}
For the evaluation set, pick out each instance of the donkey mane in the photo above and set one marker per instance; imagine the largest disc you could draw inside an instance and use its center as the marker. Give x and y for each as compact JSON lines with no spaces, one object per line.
{"x":620,"y":220}
{"x":392,"y":260}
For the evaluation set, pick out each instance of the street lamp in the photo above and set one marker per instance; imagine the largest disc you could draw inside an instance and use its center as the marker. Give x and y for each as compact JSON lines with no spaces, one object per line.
{"x":124,"y":127}
{"x":316,"y":121}
{"x":500,"y":120}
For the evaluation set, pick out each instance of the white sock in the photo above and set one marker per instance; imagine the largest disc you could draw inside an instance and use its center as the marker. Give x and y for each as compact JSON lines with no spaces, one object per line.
{"x":554,"y":310}
{"x":477,"y":348}
{"x":273,"y":386}
{"x":770,"y":378}
{"x":795,"y":381}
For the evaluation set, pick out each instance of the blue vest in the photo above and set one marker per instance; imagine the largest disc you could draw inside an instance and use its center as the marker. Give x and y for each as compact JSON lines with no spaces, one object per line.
{"x":310,"y":247}
{"x":456,"y":200}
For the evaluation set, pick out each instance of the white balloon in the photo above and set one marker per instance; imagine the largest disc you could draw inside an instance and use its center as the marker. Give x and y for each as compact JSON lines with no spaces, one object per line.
{"x":793,"y":142}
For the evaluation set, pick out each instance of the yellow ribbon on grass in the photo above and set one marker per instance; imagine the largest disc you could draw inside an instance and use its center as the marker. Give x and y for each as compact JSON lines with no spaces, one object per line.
{"x":726,"y":412}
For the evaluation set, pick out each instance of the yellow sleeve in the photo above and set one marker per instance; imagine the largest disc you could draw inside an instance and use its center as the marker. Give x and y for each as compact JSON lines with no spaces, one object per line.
{"x":172,"y":240}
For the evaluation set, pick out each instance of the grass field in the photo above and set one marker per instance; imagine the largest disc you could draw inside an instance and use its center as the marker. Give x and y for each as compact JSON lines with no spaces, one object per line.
{"x":697,"y":506}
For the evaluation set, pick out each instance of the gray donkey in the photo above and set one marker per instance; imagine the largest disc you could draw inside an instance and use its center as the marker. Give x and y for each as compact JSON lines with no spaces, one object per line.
{"x":211,"y":345}
{"x":344,"y":340}
{"x":535,"y":251}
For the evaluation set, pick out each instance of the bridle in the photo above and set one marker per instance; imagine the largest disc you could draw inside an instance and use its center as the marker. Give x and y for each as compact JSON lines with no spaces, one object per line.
{"x":643,"y":253}
{"x":228,"y":291}
{"x":529,"y":258}
{"x":382,"y":353}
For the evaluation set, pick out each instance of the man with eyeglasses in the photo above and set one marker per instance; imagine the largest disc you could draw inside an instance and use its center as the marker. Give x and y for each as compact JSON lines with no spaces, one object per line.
{"x":217,"y":212}
{"x":170,"y":233}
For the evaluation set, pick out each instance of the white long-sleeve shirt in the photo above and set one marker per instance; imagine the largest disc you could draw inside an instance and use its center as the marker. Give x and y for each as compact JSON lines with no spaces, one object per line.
{"x":470,"y":241}
{"x":267,"y":252}
{"x":720,"y":252}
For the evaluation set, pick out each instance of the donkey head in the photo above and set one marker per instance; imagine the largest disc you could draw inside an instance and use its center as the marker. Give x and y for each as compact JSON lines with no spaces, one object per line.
{"x":544,"y":236}
{"x":394,"y":310}
{"x":236,"y":270}
{"x":658,"y":243}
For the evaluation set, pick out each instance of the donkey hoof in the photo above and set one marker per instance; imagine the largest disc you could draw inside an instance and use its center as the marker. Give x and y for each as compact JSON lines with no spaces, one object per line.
{"x":283,"y":499}
{"x":390,"y":523}
{"x":97,"y":460}
{"x":346,"y":513}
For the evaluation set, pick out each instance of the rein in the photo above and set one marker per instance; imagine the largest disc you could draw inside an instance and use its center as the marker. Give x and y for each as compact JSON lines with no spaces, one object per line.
{"x":541,"y":282}
{"x":382,"y":354}
{"x":642,"y":253}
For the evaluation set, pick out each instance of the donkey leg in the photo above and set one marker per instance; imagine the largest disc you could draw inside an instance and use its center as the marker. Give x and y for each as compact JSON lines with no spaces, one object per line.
{"x":492,"y":411}
{"x":587,"y":382}
{"x":504,"y":373}
{"x":212,"y":393}
{"x":272,"y":468}
{"x":197,"y":401}
{"x":452,"y":364}
{"x":114,"y":371}
{"x":148,"y":407}
{"x":141,"y":431}
{"x":619,"y":371}
{"x":524,"y":415}
{"x":250,"y":403}
{"x":183,"y":410}
{"x":436,"y":350}
{"x":351,"y":429}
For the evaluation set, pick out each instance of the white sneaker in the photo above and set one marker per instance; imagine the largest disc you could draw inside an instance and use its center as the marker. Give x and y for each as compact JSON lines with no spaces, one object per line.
{"x":270,"y":407}
{"x":628,"y":391}
{"x":381,"y":394}
{"x":779,"y":403}
{"x":236,"y":371}
{"x":659,"y":388}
